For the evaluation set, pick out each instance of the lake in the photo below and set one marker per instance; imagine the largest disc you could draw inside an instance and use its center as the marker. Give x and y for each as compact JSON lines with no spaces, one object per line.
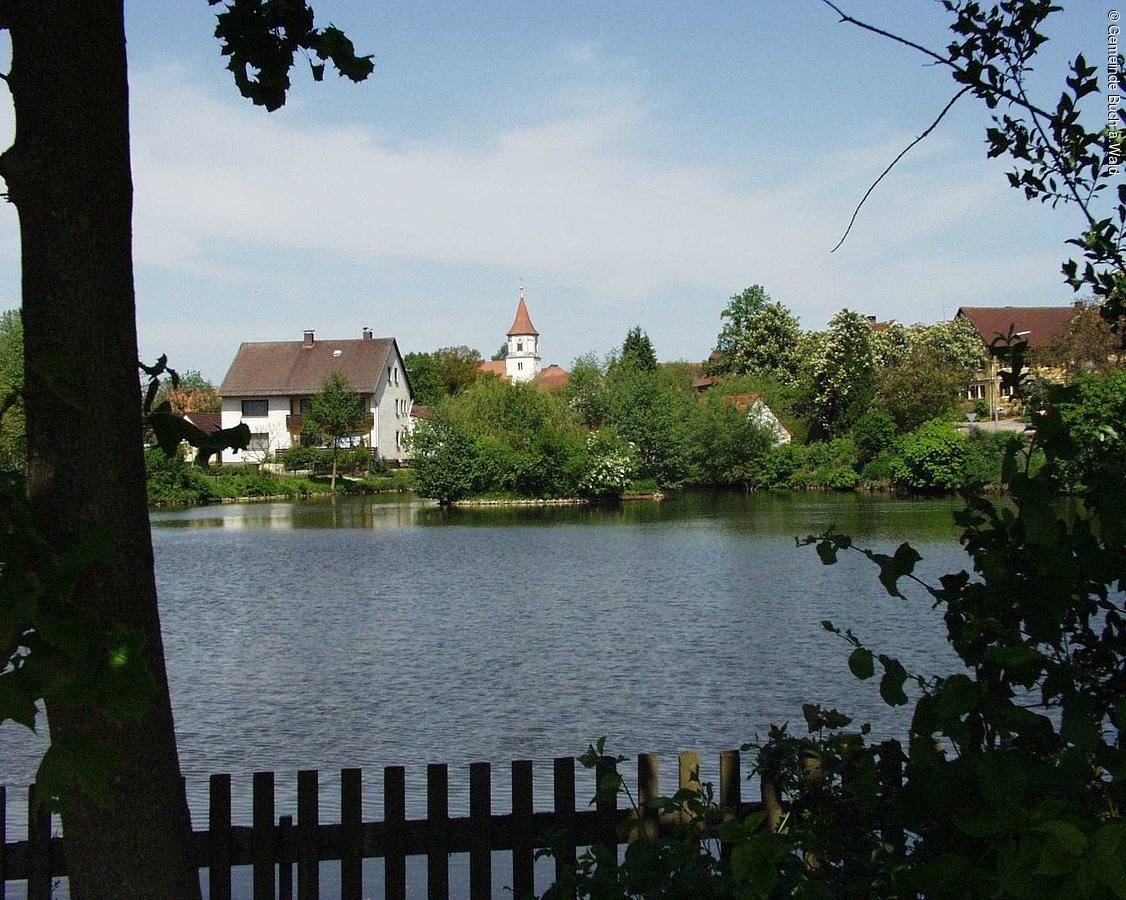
{"x":387,"y":631}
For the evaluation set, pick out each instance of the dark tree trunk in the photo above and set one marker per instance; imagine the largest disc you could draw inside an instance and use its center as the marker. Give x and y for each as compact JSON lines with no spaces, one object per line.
{"x":68,"y":174}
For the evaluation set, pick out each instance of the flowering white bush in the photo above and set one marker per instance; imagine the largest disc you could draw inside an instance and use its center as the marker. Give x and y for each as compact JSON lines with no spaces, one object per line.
{"x":611,"y":465}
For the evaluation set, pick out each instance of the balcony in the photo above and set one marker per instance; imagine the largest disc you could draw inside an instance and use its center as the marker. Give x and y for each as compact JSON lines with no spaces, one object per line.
{"x":293,"y":423}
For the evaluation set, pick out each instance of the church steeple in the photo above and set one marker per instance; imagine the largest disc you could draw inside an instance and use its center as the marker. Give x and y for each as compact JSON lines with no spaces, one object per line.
{"x":522,"y":324}
{"x":523,"y":360}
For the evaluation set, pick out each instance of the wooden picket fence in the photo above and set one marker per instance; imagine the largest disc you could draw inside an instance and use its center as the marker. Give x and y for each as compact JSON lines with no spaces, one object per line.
{"x":275,"y":846}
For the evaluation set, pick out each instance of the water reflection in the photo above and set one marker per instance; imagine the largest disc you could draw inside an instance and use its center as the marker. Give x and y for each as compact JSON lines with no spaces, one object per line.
{"x":383,"y":631}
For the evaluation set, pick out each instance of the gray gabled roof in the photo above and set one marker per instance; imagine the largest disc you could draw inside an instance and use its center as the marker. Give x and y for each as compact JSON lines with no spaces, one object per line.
{"x":293,"y":368}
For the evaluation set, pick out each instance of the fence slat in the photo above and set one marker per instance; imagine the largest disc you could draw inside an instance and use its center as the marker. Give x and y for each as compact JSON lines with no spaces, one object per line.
{"x":262,"y":837}
{"x":730,"y":793}
{"x":648,"y":790}
{"x":39,"y":845}
{"x":480,"y":813}
{"x":891,"y":778}
{"x":352,"y":835}
{"x":3,"y":842}
{"x":219,"y":829}
{"x":437,"y":832}
{"x":394,"y":818}
{"x":564,"y":796}
{"x":523,"y":862}
{"x":606,"y":805}
{"x":285,"y":868}
{"x":308,"y":823}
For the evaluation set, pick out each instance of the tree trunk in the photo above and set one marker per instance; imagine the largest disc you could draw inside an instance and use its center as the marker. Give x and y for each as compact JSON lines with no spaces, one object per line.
{"x":68,"y":173}
{"x":332,"y":482}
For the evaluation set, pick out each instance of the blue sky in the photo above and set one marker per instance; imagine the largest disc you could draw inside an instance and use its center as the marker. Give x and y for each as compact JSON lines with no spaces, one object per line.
{"x":631,"y":163}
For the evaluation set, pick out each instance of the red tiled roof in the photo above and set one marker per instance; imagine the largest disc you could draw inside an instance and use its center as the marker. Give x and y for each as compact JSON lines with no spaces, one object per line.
{"x":208,"y":423}
{"x":553,"y":378}
{"x":523,"y":323}
{"x":1042,"y":323}
{"x":421,"y":412}
{"x":293,"y":368}
{"x":705,"y":381}
{"x":492,"y":367}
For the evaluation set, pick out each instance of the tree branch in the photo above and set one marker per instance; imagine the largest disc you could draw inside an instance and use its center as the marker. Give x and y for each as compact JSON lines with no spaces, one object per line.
{"x":977,"y":84}
{"x":893,"y":163}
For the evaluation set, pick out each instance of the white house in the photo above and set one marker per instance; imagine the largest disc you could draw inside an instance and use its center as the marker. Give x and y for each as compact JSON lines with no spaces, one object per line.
{"x":270,"y":384}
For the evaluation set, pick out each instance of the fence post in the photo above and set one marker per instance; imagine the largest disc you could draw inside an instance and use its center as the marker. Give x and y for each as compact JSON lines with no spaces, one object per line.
{"x":219,"y":837}
{"x":730,"y":793}
{"x":285,"y":866}
{"x":39,"y":846}
{"x":262,"y":847}
{"x":688,"y":775}
{"x":351,"y":826}
{"x":523,"y":865}
{"x":437,"y":831}
{"x":606,"y":805}
{"x":3,"y":841}
{"x":480,"y":825}
{"x":394,"y":828}
{"x":564,"y":797}
{"x":308,"y":834}
{"x":648,"y":790}
{"x":891,"y":778}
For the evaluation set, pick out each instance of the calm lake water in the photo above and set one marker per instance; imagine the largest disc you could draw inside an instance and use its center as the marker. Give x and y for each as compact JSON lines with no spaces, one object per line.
{"x":374,"y":631}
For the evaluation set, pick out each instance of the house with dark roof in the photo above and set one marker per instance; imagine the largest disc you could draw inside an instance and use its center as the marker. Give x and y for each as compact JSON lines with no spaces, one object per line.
{"x":270,"y":385}
{"x":1039,"y":326}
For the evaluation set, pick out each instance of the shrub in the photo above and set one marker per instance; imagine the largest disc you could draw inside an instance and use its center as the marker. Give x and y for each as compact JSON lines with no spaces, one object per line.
{"x":931,"y":458}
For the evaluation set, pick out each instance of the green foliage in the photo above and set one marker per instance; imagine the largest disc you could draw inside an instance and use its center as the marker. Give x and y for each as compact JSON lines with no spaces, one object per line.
{"x":654,"y":418}
{"x":335,"y":414}
{"x":13,"y":439}
{"x":919,"y":387}
{"x":261,"y":39}
{"x":456,"y":368}
{"x":731,"y":444}
{"x":1087,"y":420}
{"x":931,"y":458}
{"x":587,"y":391}
{"x":422,"y":372}
{"x":843,"y":373}
{"x":443,"y":460}
{"x":193,"y":393}
{"x":873,"y":434}
{"x":502,"y":352}
{"x":637,"y":352}
{"x":759,"y":337}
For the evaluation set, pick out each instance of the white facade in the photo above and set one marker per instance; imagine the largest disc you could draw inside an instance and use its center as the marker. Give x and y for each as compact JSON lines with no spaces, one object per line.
{"x":523,"y":361}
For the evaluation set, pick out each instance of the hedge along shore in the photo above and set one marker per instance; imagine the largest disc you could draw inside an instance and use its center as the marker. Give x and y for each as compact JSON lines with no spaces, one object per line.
{"x":557,"y":501}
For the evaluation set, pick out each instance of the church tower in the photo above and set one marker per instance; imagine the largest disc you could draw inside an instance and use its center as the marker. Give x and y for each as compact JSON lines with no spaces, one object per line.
{"x":523,"y":360}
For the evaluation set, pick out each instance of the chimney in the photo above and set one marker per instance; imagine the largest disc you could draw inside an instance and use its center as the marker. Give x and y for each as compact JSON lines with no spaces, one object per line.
{"x":871,"y":319}
{"x":1078,"y":304}
{"x":308,"y":342}
{"x":367,"y":333}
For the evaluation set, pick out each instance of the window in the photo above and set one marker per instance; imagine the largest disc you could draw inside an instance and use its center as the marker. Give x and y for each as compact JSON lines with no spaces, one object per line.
{"x":259,"y":443}
{"x":520,"y":366}
{"x":252,"y":409}
{"x":519,"y":346}
{"x":398,"y":440}
{"x":305,"y":405}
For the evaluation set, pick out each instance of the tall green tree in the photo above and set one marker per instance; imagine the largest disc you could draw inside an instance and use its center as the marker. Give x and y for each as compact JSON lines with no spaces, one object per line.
{"x":843,"y":372}
{"x":336,"y":413}
{"x":68,"y":174}
{"x":13,"y":438}
{"x":422,"y":371}
{"x":456,"y":368}
{"x":637,"y":352}
{"x":759,"y":337}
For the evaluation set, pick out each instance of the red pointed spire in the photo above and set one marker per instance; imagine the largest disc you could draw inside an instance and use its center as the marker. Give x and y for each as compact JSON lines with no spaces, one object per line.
{"x":523,"y":322}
